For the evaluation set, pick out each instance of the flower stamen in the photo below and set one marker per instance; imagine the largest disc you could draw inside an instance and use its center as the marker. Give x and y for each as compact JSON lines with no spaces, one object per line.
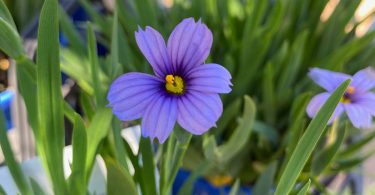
{"x":350,"y":90}
{"x":346,"y":98}
{"x":169,"y":78}
{"x":174,"y":84}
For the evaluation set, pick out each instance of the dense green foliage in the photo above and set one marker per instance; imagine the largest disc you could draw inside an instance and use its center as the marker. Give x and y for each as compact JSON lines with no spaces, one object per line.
{"x":268,"y":46}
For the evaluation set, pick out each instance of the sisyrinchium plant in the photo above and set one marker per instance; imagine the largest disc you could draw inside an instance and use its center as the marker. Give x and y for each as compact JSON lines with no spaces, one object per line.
{"x":184,"y":89}
{"x":264,"y":137}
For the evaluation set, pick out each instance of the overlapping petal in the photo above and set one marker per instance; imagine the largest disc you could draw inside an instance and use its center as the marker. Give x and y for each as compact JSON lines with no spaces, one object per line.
{"x":366,"y":101}
{"x":189,"y":44}
{"x":317,"y":102}
{"x":210,"y":78}
{"x":359,"y":116}
{"x":198,"y":112}
{"x":329,"y":80}
{"x":159,"y":118}
{"x":153,"y":47}
{"x":198,"y":108}
{"x":364,"y":80}
{"x":131,"y":93}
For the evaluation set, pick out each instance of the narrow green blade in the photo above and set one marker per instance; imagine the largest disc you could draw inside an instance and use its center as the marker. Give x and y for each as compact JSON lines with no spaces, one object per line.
{"x":308,"y":141}
{"x":51,"y":119}
{"x":5,"y":14}
{"x":235,"y":188}
{"x":77,"y":180}
{"x":119,"y":182}
{"x":10,"y":42}
{"x":94,"y":65}
{"x":14,"y":168}
{"x":304,"y":189}
{"x":96,"y":132}
{"x":263,"y":186}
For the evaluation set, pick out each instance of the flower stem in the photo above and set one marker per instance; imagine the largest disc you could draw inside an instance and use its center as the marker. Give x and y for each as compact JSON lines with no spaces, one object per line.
{"x":173,"y":160}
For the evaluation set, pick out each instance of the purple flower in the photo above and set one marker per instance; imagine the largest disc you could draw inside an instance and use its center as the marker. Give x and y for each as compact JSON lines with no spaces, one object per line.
{"x":358,"y":101}
{"x":183,"y":90}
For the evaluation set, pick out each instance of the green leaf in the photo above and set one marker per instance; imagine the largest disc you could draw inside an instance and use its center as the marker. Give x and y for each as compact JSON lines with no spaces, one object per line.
{"x":235,"y":188}
{"x":119,"y":182}
{"x":358,"y":145}
{"x":96,"y":132}
{"x":77,"y":179}
{"x":26,"y":78}
{"x":178,"y":143}
{"x":239,"y":138}
{"x":129,"y":21}
{"x":115,"y":68}
{"x":187,"y":187}
{"x":10,"y":42}
{"x":264,"y":184}
{"x":77,"y":68}
{"x":229,"y":113}
{"x":94,"y":65}
{"x":50,"y":101}
{"x":2,"y":191}
{"x":69,"y":112}
{"x":14,"y":168}
{"x":269,"y":94}
{"x":242,"y":133}
{"x":148,"y":165}
{"x":87,"y":105}
{"x":120,"y":151}
{"x":323,"y":158}
{"x":293,"y":65}
{"x":305,"y":188}
{"x":36,"y":187}
{"x":96,"y":17}
{"x":5,"y":14}
{"x":308,"y":141}
{"x":267,"y":131}
{"x":344,"y":164}
{"x":342,"y":55}
{"x":146,"y":11}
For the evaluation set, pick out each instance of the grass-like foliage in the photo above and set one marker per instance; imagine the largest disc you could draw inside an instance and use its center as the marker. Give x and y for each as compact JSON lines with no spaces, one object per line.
{"x":268,"y":47}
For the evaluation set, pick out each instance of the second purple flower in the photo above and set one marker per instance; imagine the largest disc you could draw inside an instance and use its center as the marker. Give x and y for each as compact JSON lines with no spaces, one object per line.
{"x":183,"y":90}
{"x":358,"y":101}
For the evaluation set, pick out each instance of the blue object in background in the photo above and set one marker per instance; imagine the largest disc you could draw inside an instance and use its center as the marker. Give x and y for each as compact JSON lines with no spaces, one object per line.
{"x":203,"y":187}
{"x":6,"y":98}
{"x":79,"y":16}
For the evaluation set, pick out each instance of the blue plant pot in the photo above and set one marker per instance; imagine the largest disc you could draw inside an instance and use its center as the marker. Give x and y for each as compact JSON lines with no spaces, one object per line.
{"x":7,"y":97}
{"x":203,"y":187}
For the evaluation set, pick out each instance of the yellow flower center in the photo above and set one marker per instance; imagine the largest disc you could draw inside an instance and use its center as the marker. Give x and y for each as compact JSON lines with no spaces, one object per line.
{"x":174,"y":84}
{"x":346,"y":98}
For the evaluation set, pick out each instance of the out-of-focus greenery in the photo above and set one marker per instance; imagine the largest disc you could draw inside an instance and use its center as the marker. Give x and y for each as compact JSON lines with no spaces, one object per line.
{"x":267,"y":45}
{"x":24,"y":11}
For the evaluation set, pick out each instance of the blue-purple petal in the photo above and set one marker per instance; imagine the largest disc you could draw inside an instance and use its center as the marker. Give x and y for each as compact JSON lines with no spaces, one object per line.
{"x":359,"y":116}
{"x":160,"y":118}
{"x":198,"y":112}
{"x":153,"y":47}
{"x":212,"y":78}
{"x":189,"y":44}
{"x":130,"y":94}
{"x":338,"y":111}
{"x":367,"y":101}
{"x":329,"y":80}
{"x":364,"y":80}
{"x":317,"y":102}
